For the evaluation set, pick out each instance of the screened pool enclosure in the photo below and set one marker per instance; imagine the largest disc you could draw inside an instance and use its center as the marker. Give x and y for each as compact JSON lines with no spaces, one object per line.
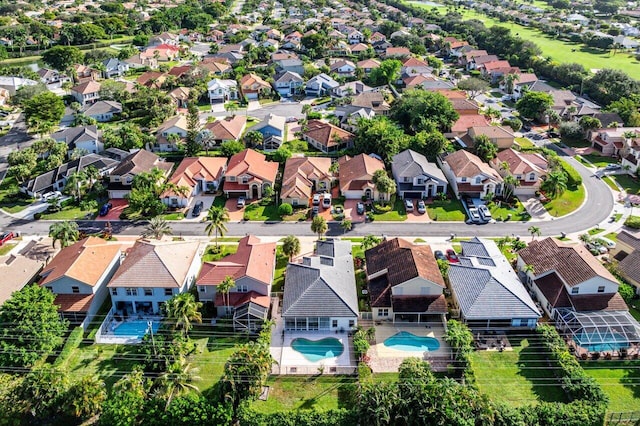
{"x":600,"y":331}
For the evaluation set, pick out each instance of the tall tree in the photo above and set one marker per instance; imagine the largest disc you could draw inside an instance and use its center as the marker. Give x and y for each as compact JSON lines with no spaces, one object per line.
{"x":182,"y":310}
{"x":178,"y":380}
{"x":291,"y":246}
{"x":484,"y":148}
{"x":319,"y":226}
{"x":193,"y":128}
{"x":61,"y":58}
{"x":382,"y":136}
{"x":532,"y":105}
{"x":346,"y":225}
{"x":42,"y":392}
{"x":217,"y":218}
{"x":43,"y":112}
{"x":126,"y":401}
{"x":66,"y":232}
{"x":85,"y":397}
{"x":534,"y":231}
{"x":31,"y":326}
{"x":224,"y":288}
{"x":157,"y":228}
{"x":384,"y":184}
{"x":387,"y":73}
{"x":473,"y":86}
{"x":556,"y":184}
{"x":419,"y":110}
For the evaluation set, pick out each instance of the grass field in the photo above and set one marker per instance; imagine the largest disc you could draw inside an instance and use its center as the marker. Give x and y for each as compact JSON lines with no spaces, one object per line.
{"x":11,"y":200}
{"x":446,"y":211}
{"x":210,"y":255}
{"x":396,"y":214}
{"x":558,"y":50}
{"x":281,"y":267}
{"x":620,"y":380}
{"x":630,"y":184}
{"x":260,"y":213}
{"x":516,"y":377}
{"x":210,"y":358}
{"x":570,"y":201}
{"x":71,"y":212}
{"x":6,"y":248}
{"x":599,"y":160}
{"x":519,"y":213}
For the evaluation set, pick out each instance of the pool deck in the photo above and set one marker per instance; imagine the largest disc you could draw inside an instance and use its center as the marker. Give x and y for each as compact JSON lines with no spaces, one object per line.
{"x":387,"y":360}
{"x":106,"y":334}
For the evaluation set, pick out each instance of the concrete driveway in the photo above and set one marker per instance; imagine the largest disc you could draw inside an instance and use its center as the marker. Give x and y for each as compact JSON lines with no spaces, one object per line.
{"x":350,"y":212}
{"x":207,"y":200}
{"x":235,"y":214}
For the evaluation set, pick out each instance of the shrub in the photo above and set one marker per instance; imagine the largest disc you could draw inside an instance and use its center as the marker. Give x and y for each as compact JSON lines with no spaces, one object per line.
{"x":285,"y":209}
{"x":571,"y":130}
{"x":633,"y":222}
{"x":382,"y":208}
{"x":515,"y":123}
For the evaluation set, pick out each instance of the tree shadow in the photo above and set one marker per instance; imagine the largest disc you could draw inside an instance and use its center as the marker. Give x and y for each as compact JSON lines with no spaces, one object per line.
{"x":532,"y":365}
{"x":631,"y":378}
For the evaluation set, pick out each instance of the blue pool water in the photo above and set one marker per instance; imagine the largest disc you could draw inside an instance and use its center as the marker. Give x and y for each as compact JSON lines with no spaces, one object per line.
{"x":405,"y":341}
{"x":316,"y":350}
{"x":135,"y":329}
{"x":608,"y":342}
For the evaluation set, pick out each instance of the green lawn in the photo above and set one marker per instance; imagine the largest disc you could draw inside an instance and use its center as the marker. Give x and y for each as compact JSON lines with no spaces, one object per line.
{"x":210,"y":357}
{"x":518,"y":212}
{"x":210,"y":255}
{"x":525,"y":143}
{"x":629,"y":183}
{"x":6,"y":248}
{"x":71,"y":212}
{"x":599,"y":160}
{"x":446,"y":211}
{"x":11,"y":200}
{"x":281,"y":267}
{"x":620,"y":380}
{"x":397,"y":214}
{"x":576,"y":143}
{"x":517,"y":377}
{"x":173,"y":216}
{"x":611,"y":183}
{"x":318,"y":393}
{"x":570,"y":201}
{"x":260,"y":213}
{"x":596,"y":230}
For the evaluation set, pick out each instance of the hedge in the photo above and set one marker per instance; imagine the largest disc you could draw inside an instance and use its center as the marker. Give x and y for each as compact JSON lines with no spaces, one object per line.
{"x":338,"y":417}
{"x":573,"y":177}
{"x":72,"y":343}
{"x":633,"y":222}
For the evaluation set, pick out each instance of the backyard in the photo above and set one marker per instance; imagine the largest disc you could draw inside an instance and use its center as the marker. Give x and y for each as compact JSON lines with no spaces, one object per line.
{"x":518,"y":377}
{"x":620,"y":380}
{"x":599,"y":161}
{"x":629,"y":183}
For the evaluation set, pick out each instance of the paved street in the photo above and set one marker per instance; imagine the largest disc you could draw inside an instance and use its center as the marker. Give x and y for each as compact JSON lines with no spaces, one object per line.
{"x":282,"y":109}
{"x":17,"y":138}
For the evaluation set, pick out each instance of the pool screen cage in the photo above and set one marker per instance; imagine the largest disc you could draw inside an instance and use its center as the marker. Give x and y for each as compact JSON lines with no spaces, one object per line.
{"x":599,"y":327}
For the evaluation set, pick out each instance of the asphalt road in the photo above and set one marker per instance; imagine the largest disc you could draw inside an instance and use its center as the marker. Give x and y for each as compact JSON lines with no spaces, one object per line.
{"x":282,"y":109}
{"x":17,"y":138}
{"x":597,"y":207}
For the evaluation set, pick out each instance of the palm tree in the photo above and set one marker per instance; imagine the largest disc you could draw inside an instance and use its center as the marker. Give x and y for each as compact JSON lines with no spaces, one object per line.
{"x":92,"y":175}
{"x":534,"y":231}
{"x":157,"y":228}
{"x":291,"y":246}
{"x":253,"y":138}
{"x":178,"y":379}
{"x":75,"y":184}
{"x":556,"y":184}
{"x":346,"y":225}
{"x":319,"y":226}
{"x":510,"y":185}
{"x":585,"y":238}
{"x":509,"y":82}
{"x":182,"y":309}
{"x":370,"y":241}
{"x":502,"y":242}
{"x":528,"y":268}
{"x":224,"y":287}
{"x":217,"y":217}
{"x":66,"y":232}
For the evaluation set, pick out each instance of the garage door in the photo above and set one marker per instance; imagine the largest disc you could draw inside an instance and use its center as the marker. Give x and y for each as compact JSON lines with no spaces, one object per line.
{"x":412,"y":195}
{"x":232,"y":194}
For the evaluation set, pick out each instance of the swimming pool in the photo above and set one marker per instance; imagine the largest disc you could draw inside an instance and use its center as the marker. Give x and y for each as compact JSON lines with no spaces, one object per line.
{"x":135,"y":329}
{"x":607,"y":342}
{"x":405,"y":341}
{"x":316,"y":350}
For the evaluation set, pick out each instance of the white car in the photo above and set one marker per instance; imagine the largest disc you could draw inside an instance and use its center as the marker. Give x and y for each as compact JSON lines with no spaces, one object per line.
{"x":474,"y":215}
{"x":606,"y":242}
{"x":484,"y":212}
{"x":49,"y":195}
{"x":316,"y":200}
{"x":326,"y":200}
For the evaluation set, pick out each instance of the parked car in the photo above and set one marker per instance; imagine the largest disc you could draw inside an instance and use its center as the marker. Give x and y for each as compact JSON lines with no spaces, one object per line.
{"x":596,"y":248}
{"x":326,"y":200}
{"x":197,"y":209}
{"x":241,"y":202}
{"x":439,"y":255}
{"x":105,"y":209}
{"x":316,"y":200}
{"x":613,"y":166}
{"x":484,"y":211}
{"x":49,"y":195}
{"x":452,"y":257}
{"x":314,"y":211}
{"x":6,"y":236}
{"x":606,"y":242}
{"x":422,"y":208}
{"x":360,"y":208}
{"x":474,"y":215}
{"x":291,"y":119}
{"x":408,"y":205}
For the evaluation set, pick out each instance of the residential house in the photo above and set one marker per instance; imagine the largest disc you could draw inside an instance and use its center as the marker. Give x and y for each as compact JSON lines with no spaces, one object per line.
{"x":222,"y":91}
{"x":302,"y":177}
{"x":476,"y":62}
{"x":359,"y":49}
{"x":404,"y":283}
{"x":367,"y":65}
{"x":416,"y":177}
{"x":83,"y":137}
{"x":397,"y":52}
{"x":339,"y":48}
{"x":351,"y":88}
{"x":197,"y":175}
{"x":628,"y":256}
{"x":343,"y":67}
{"x":272,"y":129}
{"x":289,"y":64}
{"x":498,"y":135}
{"x":465,"y":106}
{"x":114,"y":67}
{"x":166,"y":141}
{"x":468,"y":56}
{"x":49,"y":76}
{"x":138,"y":61}
{"x":164,"y":38}
{"x":530,"y":169}
{"x":121,"y":178}
{"x":83,"y":73}
{"x":326,"y":137}
{"x":326,"y":276}
{"x":161,"y":53}
{"x":523,"y":82}
{"x":611,"y":141}
{"x":20,"y":268}
{"x":320,"y":85}
{"x":461,"y":127}
{"x":288,"y":83}
{"x":86,"y":93}
{"x":469,"y":175}
{"x":56,"y":179}
{"x":487,"y":291}
{"x":180,"y":96}
{"x":356,"y":37}
{"x":253,"y":87}
{"x":373,"y":100}
{"x":426,"y":82}
{"x":252,"y":268}
{"x":249,"y":174}
{"x":227,"y":129}
{"x":215,"y":66}
{"x":152,"y":273}
{"x":78,"y":277}
{"x":414,"y":66}
{"x":103,"y":111}
{"x":350,"y":114}
{"x":496,"y":69}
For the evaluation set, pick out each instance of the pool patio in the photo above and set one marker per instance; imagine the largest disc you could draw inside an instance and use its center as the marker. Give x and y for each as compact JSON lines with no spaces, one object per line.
{"x":387,"y":360}
{"x":106,"y":333}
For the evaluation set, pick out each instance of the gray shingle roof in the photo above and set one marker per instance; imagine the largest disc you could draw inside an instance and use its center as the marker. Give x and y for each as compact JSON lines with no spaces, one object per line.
{"x":323,"y":285}
{"x":410,"y":163}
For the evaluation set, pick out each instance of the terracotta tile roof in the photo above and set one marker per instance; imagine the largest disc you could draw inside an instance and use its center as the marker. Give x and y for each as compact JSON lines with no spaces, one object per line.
{"x":572,"y":262}
{"x":88,"y":87}
{"x":415,"y":80}
{"x":469,"y":120}
{"x":490,"y":131}
{"x":300,"y":173}
{"x":162,"y":264}
{"x":250,"y":79}
{"x":73,"y":302}
{"x":239,"y":299}
{"x":414,"y":62}
{"x":518,"y":163}
{"x":474,"y":53}
{"x":253,"y":163}
{"x":465,"y":164}
{"x":327,"y":134}
{"x":397,"y":51}
{"x":194,"y":169}
{"x":178,"y":71}
{"x":150,"y":78}
{"x":525,"y":78}
{"x":85,"y":261}
{"x":181,"y":93}
{"x":493,"y":65}
{"x":229,"y":128}
{"x":179,"y":121}
{"x":452,"y":94}
{"x":460,"y":104}
{"x":554,"y":291}
{"x":368,"y":63}
{"x":253,"y":259}
{"x":358,"y":169}
{"x":436,"y":304}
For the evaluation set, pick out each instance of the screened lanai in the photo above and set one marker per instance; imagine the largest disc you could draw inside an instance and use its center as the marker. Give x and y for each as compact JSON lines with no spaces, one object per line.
{"x":600,"y":331}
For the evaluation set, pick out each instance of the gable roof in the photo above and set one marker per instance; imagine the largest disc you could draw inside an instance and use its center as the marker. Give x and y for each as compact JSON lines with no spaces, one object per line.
{"x":326,"y":133}
{"x":469,"y":120}
{"x":520,"y":164}
{"x":229,"y":128}
{"x":327,"y":277}
{"x":254,"y":163}
{"x":464,"y":163}
{"x":356,"y":172}
{"x":85,"y":261}
{"x":179,"y":121}
{"x":194,"y":169}
{"x":88,"y":87}
{"x":368,"y":63}
{"x":410,"y":163}
{"x":161,"y":264}
{"x":572,"y":262}
{"x":299,"y":174}
{"x":140,"y":161}
{"x":253,"y":259}
{"x":102,"y":107}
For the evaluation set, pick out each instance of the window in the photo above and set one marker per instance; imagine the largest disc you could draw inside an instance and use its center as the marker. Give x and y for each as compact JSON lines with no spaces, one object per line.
{"x":231,"y":178}
{"x":168,"y":292}
{"x":463,"y":179}
{"x":351,"y":323}
{"x":245,"y":179}
{"x":575,"y":290}
{"x":75,"y":289}
{"x":148,"y":292}
{"x":532,"y":176}
{"x":202,"y":289}
{"x":384,"y":312}
{"x":242,"y":288}
{"x":601,"y":289}
{"x":334,"y":324}
{"x":131,"y":291}
{"x":420,"y":181}
{"x":478,"y":180}
{"x":114,"y":291}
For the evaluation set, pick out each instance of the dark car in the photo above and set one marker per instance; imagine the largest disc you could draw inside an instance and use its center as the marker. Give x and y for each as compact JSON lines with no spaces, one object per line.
{"x":197,"y":209}
{"x":526,"y":128}
{"x":105,"y":209}
{"x":439,"y":255}
{"x":360,"y":208}
{"x":452,"y":257}
{"x":6,"y":236}
{"x":314,"y":211}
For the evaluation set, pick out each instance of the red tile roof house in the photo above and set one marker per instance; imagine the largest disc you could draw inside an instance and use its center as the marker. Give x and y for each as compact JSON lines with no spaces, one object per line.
{"x":302,"y":177}
{"x":469,"y":175}
{"x":252,"y":267}
{"x":248,"y":174}
{"x":227,"y":129}
{"x":412,"y":292}
{"x":355,"y":176}
{"x":152,"y":273}
{"x":530,"y":169}
{"x":78,"y":276}
{"x":197,"y":175}
{"x":326,"y":137}
{"x":254,"y":87}
{"x":86,"y":93}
